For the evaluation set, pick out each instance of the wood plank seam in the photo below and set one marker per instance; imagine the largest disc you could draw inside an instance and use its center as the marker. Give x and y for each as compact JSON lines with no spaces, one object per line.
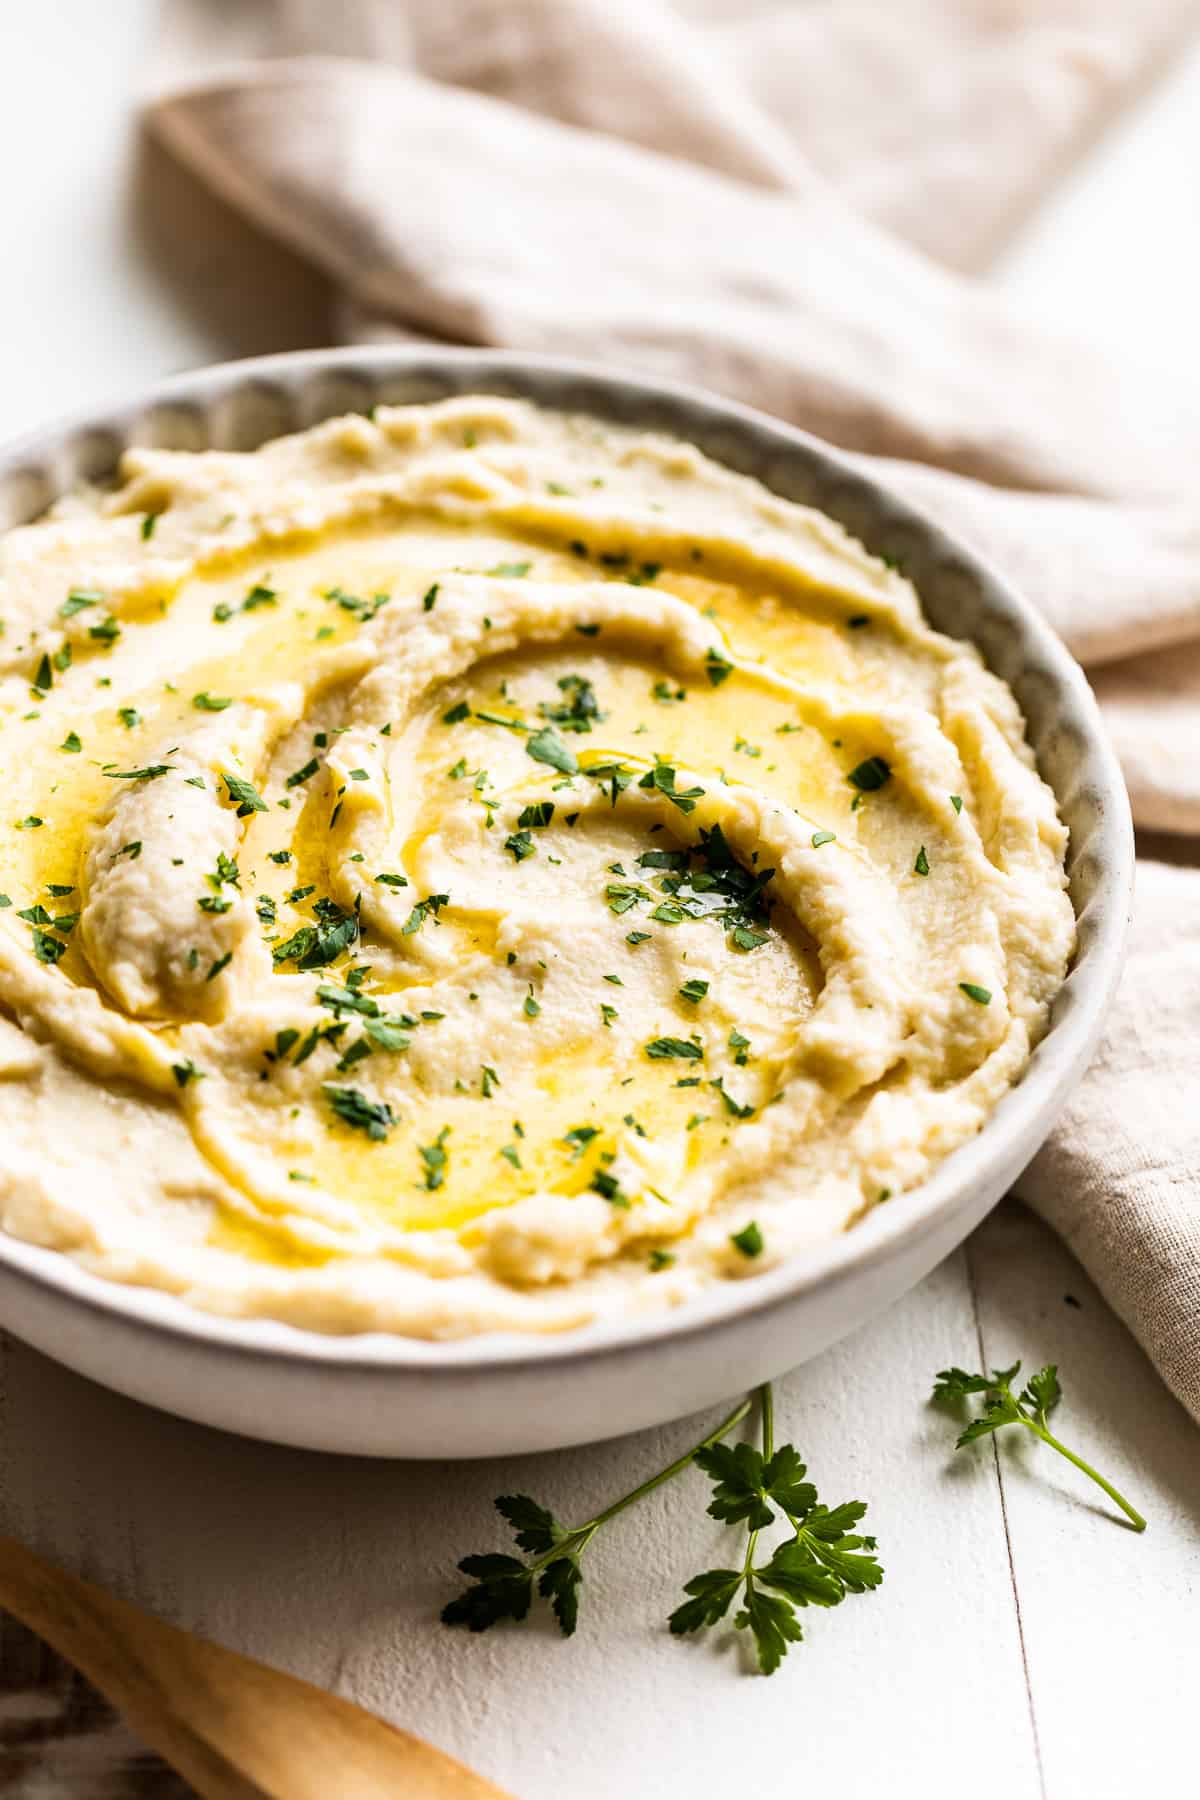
{"x":973,"y":1288}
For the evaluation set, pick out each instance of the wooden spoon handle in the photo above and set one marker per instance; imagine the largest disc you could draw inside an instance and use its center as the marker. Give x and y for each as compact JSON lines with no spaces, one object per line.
{"x":234,"y":1728}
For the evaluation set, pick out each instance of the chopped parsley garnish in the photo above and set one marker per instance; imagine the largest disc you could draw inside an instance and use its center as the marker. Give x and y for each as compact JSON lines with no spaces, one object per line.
{"x":78,"y":599}
{"x":430,"y":906}
{"x":148,"y":523}
{"x":457,"y":713}
{"x":611,"y":775}
{"x":608,"y":1187}
{"x":374,"y":1117}
{"x":578,"y":1138}
{"x":956,"y":802}
{"x":870,"y":774}
{"x":129,"y":716}
{"x":733,"y":1107}
{"x":347,"y":999}
{"x":387,"y":880}
{"x":30,"y":822}
{"x":529,"y":1006}
{"x":72,"y":743}
{"x":488,"y":1080}
{"x":211,"y":702}
{"x":717,"y":667}
{"x":513,"y":570}
{"x":362,"y":609}
{"x":185,"y":1072}
{"x":921,"y":866}
{"x":742,"y":938}
{"x":661,"y":778}
{"x":388,"y":1031}
{"x":46,"y":948}
{"x":638,"y":937}
{"x":511,"y":1155}
{"x":823,"y":837}
{"x":264,"y":906}
{"x":580,"y":708}
{"x":693,"y":990}
{"x":151,"y":772}
{"x":658,"y":1049}
{"x":545,"y":746}
{"x":315,"y":946}
{"x":621,"y":895}
{"x":247,"y":796}
{"x":132,"y":851}
{"x":749,"y":1240}
{"x":429,"y":601}
{"x":536,"y":816}
{"x":608,"y":1013}
{"x":213,"y":903}
{"x":259,"y":595}
{"x":222,"y":962}
{"x":106,"y":632}
{"x":44,"y":679}
{"x":279,"y":856}
{"x":981,"y":995}
{"x":521,"y":845}
{"x":299,"y":776}
{"x":435,"y":1159}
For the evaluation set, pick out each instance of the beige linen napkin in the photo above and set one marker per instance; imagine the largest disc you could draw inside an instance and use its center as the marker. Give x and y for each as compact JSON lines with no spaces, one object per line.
{"x":779,"y":202}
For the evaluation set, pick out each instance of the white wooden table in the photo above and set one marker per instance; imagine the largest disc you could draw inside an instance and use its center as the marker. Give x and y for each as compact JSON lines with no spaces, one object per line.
{"x":1023,"y":1643}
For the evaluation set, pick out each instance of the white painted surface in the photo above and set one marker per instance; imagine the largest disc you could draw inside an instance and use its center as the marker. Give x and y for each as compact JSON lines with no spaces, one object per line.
{"x":1023,"y":1643}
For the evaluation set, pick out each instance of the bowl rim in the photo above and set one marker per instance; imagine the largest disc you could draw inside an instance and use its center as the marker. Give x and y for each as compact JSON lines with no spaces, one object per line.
{"x":1021,"y":1116}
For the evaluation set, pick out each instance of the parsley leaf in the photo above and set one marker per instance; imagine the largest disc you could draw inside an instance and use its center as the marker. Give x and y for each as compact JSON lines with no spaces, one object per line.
{"x":580,"y":708}
{"x":247,"y":796}
{"x":545,"y":746}
{"x":818,"y":1565}
{"x":870,"y":774}
{"x":658,"y":1049}
{"x":435,"y":1158}
{"x":314,"y":946}
{"x":374,"y":1117}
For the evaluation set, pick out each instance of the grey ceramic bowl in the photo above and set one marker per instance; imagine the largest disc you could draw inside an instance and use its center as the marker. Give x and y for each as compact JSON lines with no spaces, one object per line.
{"x":387,"y":1396}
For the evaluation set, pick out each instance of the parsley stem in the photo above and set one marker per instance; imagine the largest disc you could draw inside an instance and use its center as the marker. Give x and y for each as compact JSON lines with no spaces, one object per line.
{"x":1040,"y":1429}
{"x":767,"y":1399}
{"x":672,"y":1469}
{"x":575,"y":1541}
{"x":767,"y":1417}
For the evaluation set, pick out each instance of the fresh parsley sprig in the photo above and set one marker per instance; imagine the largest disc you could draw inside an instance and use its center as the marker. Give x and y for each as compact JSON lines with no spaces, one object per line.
{"x":1030,"y":1408}
{"x":818,"y":1565}
{"x":503,"y":1586}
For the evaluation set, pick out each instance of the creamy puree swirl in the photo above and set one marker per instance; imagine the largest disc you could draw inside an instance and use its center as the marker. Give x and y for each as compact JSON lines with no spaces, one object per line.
{"x":474,"y":868}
